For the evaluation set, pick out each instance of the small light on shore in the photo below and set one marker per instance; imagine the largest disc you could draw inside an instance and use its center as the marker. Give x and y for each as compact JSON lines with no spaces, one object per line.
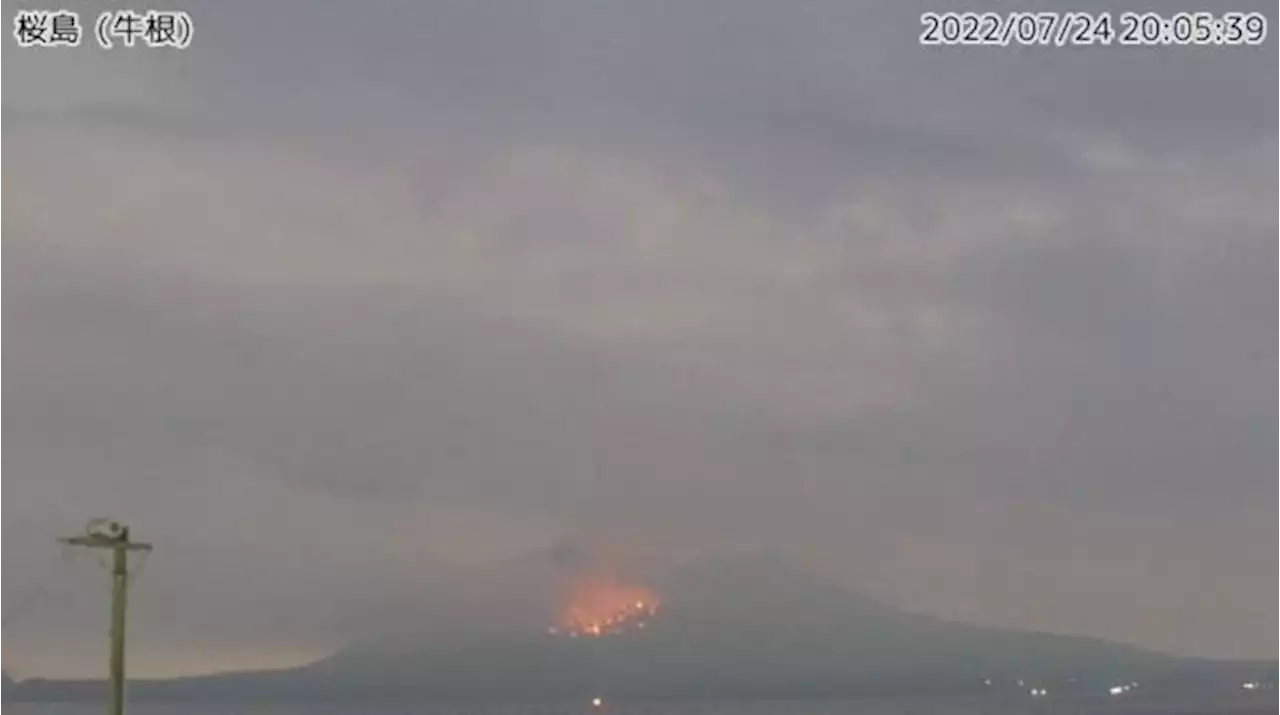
{"x":597,"y":702}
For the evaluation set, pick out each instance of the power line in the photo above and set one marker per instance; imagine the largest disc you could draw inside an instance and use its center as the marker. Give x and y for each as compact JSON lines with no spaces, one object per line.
{"x":24,"y":603}
{"x":34,"y":595}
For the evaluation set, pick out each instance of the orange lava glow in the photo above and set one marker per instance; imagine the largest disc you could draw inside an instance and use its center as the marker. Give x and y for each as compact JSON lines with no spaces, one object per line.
{"x":597,"y":606}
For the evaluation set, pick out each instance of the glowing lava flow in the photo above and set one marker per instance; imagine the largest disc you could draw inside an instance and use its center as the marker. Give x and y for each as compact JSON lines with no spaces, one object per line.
{"x":602,"y":607}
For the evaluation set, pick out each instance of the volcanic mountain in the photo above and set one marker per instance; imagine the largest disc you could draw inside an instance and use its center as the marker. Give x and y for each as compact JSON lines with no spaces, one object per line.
{"x":725,"y":628}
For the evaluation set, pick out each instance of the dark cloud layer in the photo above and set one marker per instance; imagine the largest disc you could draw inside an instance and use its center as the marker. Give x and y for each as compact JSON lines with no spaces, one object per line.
{"x":347,"y":298}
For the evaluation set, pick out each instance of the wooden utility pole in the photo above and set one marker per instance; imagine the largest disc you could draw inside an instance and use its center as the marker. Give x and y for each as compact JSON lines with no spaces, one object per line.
{"x":112,"y":535}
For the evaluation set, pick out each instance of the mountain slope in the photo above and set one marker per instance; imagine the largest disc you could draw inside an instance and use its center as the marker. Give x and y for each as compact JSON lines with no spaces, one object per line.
{"x":728,"y":628}
{"x":761,"y":626}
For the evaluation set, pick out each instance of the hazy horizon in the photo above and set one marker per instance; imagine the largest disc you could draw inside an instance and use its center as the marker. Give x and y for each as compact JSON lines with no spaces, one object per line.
{"x":345,"y":300}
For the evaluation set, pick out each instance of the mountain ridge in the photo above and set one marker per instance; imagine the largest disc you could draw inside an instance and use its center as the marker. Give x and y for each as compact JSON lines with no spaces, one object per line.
{"x":741,"y":627}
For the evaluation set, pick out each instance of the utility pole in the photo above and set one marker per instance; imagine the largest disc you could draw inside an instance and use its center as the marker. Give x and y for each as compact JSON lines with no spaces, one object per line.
{"x":112,"y":535}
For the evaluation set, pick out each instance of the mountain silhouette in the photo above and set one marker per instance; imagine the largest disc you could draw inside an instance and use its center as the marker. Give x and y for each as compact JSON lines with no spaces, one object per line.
{"x":741,"y":627}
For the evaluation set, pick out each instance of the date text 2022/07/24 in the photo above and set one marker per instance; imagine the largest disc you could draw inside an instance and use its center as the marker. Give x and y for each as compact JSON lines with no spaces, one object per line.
{"x":1082,"y":29}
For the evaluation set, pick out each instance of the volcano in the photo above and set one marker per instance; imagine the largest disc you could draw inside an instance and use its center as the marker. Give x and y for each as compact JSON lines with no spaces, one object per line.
{"x":751,"y":627}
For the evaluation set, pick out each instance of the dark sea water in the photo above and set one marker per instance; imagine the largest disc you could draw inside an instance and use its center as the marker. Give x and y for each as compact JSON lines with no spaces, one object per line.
{"x":1229,"y":705}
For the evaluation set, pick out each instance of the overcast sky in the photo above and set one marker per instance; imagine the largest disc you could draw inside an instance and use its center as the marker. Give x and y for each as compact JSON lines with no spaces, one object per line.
{"x":349,"y":296}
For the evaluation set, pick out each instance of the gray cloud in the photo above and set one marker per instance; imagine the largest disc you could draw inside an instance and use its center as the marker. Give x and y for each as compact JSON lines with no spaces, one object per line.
{"x":339,"y":302}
